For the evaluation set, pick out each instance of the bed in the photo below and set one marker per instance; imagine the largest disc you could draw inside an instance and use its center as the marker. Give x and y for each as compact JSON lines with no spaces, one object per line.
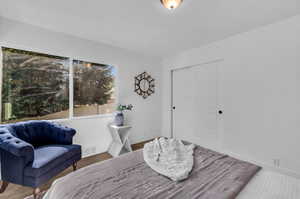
{"x":214,"y":176}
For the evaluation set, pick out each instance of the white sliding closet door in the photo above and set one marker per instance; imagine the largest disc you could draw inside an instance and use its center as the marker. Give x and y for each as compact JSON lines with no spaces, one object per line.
{"x":195,"y":106}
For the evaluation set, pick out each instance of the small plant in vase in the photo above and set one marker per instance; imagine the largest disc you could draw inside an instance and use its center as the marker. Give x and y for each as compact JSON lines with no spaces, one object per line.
{"x":119,"y":118}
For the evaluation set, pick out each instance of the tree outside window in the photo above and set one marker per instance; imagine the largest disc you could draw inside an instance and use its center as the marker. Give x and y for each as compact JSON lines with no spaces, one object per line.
{"x":93,"y":88}
{"x":35,"y":86}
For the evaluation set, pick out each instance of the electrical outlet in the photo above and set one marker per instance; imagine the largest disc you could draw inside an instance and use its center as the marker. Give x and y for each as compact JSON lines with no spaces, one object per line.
{"x":89,"y":150}
{"x":93,"y":150}
{"x":85,"y":152}
{"x":276,"y":162}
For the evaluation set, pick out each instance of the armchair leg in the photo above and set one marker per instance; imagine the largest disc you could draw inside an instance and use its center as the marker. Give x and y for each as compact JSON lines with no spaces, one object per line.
{"x":36,"y":193}
{"x":3,"y":186}
{"x":74,"y":166}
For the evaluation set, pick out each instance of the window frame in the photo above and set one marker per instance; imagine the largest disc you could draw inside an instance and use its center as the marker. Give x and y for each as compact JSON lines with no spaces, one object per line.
{"x":71,"y":82}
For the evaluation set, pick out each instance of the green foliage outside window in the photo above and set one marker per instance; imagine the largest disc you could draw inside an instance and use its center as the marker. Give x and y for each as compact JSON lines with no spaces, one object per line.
{"x":36,"y":86}
{"x":93,"y":87}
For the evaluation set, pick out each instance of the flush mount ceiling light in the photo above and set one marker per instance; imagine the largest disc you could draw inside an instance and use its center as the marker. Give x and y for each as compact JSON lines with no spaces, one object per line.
{"x":171,"y":4}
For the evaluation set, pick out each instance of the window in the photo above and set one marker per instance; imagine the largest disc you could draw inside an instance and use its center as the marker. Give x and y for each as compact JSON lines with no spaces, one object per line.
{"x":93,"y":88}
{"x":36,"y":86}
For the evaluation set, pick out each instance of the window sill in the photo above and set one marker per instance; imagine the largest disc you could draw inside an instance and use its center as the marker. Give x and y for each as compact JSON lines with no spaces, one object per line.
{"x":84,"y":117}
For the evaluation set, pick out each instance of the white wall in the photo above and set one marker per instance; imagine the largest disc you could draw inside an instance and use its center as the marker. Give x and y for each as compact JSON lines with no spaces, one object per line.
{"x":259,"y":77}
{"x":93,"y":132}
{"x":260,"y":80}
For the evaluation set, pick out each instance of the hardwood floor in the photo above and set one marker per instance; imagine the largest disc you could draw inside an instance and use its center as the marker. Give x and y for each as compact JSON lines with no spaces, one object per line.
{"x":20,"y":192}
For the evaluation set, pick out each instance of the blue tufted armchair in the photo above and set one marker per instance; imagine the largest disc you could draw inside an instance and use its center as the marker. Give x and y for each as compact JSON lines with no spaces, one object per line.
{"x":33,"y":152}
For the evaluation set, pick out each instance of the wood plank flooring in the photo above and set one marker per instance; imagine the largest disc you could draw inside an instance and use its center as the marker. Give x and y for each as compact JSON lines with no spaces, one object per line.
{"x":20,"y":192}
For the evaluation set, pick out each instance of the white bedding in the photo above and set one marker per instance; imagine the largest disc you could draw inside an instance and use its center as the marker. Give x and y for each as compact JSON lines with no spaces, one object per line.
{"x":271,"y":185}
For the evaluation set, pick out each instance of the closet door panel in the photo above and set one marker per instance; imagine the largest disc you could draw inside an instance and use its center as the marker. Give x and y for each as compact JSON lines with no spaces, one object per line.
{"x":195,"y":102}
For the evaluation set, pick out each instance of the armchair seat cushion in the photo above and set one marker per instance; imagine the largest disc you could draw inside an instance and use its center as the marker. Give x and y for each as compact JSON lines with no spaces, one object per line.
{"x":51,"y":157}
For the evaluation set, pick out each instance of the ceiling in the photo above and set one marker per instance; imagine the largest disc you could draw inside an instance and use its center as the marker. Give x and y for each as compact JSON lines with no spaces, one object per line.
{"x":145,"y":26}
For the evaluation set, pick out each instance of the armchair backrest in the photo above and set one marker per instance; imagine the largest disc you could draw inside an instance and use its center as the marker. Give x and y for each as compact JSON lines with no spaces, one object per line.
{"x":40,"y":133}
{"x":31,"y":132}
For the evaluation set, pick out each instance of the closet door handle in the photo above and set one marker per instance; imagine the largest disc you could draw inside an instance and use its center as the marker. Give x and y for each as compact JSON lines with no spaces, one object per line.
{"x":173,"y":107}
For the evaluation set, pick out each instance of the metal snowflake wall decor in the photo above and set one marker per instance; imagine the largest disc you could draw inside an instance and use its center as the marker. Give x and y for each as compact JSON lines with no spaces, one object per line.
{"x":144,"y":85}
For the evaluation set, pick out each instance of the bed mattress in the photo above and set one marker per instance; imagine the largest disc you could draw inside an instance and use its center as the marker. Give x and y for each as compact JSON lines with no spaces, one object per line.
{"x":214,"y":176}
{"x":267,"y":184}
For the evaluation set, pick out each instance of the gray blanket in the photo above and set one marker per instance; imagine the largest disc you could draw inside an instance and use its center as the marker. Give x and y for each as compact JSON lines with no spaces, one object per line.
{"x":214,"y":176}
